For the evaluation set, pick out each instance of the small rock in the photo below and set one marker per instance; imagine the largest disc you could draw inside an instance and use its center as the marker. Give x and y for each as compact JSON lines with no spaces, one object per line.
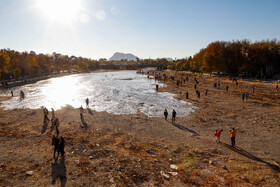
{"x":173,"y":173}
{"x":172,"y":166}
{"x":91,"y":157}
{"x":29,"y":173}
{"x":164,"y":175}
{"x":97,"y":145}
{"x":112,"y":180}
{"x":206,"y":172}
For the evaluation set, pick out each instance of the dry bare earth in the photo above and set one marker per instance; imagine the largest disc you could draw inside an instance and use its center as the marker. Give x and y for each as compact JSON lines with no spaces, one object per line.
{"x":133,"y":149}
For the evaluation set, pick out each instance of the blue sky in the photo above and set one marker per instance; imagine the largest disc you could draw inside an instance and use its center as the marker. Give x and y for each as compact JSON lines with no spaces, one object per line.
{"x":146,"y":28}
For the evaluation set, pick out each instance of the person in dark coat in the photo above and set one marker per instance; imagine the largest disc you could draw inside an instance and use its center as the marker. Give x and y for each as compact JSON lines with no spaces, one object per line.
{"x":61,"y":146}
{"x":173,"y":115}
{"x":55,"y":142}
{"x":165,"y":114}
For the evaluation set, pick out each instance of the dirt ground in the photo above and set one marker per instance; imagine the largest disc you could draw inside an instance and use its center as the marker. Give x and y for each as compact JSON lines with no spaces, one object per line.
{"x":135,"y":150}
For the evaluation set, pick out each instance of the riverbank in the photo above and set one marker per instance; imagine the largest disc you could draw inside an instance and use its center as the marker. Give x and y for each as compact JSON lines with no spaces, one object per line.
{"x":107,"y":149}
{"x":15,"y":83}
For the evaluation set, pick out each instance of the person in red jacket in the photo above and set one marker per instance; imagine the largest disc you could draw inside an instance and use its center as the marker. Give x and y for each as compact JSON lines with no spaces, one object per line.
{"x":218,"y":135}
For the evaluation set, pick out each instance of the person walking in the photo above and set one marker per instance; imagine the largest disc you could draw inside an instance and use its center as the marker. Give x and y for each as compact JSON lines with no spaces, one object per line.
{"x":55,"y":142}
{"x":243,"y":96}
{"x":206,"y":92}
{"x":173,"y":116}
{"x":227,"y":88}
{"x":247,"y":96}
{"x":165,"y":114}
{"x":232,"y":135}
{"x":216,"y":134}
{"x":53,"y":117}
{"x":12,"y":93}
{"x":187,"y":95}
{"x":157,"y":87}
{"x":219,"y":132}
{"x":277,"y":88}
{"x":61,"y":145}
{"x":198,"y":94}
{"x":45,"y":111}
{"x":81,"y":112}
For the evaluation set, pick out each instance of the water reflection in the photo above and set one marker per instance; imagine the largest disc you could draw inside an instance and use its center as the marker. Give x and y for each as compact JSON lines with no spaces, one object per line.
{"x":120,"y":92}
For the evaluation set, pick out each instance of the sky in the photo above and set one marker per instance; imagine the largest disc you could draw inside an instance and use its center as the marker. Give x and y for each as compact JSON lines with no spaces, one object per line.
{"x":146,"y":28}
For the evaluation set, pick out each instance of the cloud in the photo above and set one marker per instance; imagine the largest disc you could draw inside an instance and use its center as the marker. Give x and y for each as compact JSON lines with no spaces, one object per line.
{"x":84,"y":18}
{"x":115,"y":10}
{"x":100,"y":15}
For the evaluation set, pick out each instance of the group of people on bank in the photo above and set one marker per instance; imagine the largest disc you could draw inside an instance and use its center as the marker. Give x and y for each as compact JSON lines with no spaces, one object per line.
{"x":57,"y":142}
{"x":165,"y":113}
{"x":232,"y":133}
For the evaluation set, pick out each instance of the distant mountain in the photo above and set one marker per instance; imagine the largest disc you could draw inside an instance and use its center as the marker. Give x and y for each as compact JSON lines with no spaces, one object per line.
{"x":120,"y":56}
{"x":168,"y":59}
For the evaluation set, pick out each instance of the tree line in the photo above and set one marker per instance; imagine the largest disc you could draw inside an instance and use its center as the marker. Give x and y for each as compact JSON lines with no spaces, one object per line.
{"x":15,"y":65}
{"x":258,"y":59}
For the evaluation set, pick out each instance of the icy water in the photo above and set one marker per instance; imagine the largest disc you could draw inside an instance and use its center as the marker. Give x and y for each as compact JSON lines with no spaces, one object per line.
{"x":118,"y":92}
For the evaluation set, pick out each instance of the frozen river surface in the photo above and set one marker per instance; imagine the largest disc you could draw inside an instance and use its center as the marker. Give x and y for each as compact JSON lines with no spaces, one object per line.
{"x":118,"y":92}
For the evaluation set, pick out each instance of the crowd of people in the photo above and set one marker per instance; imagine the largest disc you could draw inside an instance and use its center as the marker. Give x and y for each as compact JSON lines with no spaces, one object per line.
{"x":58,"y":142}
{"x":182,"y":78}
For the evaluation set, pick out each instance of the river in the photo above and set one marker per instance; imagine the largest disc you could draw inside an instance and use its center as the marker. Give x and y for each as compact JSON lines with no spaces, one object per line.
{"x":117,"y":92}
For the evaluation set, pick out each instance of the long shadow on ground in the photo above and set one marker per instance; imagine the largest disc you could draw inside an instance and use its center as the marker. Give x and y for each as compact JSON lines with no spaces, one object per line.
{"x":44,"y":128}
{"x":59,"y":171}
{"x":84,"y":123}
{"x":89,"y":111}
{"x":184,"y":128}
{"x":250,"y":156}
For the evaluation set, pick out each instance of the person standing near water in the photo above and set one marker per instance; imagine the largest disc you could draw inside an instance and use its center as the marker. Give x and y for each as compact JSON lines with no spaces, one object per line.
{"x":21,"y":94}
{"x":165,"y":114}
{"x":45,"y":111}
{"x":81,"y":112}
{"x":12,"y":93}
{"x":157,"y":87}
{"x":53,"y":117}
{"x":173,"y":116}
{"x":187,"y":95}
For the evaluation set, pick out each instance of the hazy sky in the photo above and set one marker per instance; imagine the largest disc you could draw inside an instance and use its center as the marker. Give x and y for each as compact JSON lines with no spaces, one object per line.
{"x":146,"y":28}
